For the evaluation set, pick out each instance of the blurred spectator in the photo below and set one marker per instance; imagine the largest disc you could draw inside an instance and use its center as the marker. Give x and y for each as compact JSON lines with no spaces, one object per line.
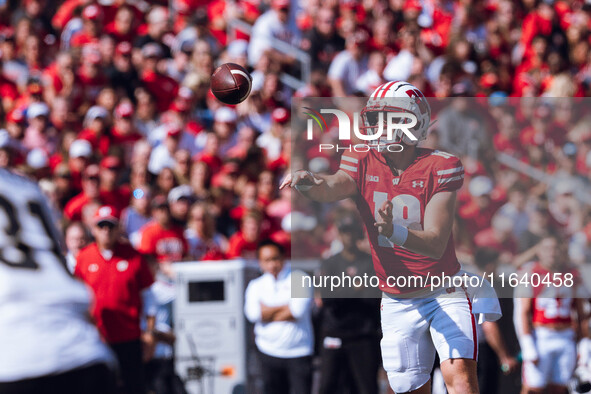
{"x":515,"y":209}
{"x":271,"y":140}
{"x":348,"y":65}
{"x":272,"y":25}
{"x":95,"y":129}
{"x":163,"y":155}
{"x":373,"y":77}
{"x":179,"y":201}
{"x":565,"y":209}
{"x":244,"y":242}
{"x":203,"y":240}
{"x":136,"y":215}
{"x":165,"y":181}
{"x":123,"y":27}
{"x":151,"y":78}
{"x":494,"y":354}
{"x":478,"y":213}
{"x":160,"y":371}
{"x":120,"y":280}
{"x":322,"y":41}
{"x":111,"y":192}
{"x":90,"y":193}
{"x":39,"y":134}
{"x":157,"y":21}
{"x":91,"y":26}
{"x":498,"y":236}
{"x":350,"y":320}
{"x":283,"y":325}
{"x":539,"y":227}
{"x":76,"y":238}
{"x":401,"y":66}
{"x":121,"y":72}
{"x":459,"y":129}
{"x":161,"y":238}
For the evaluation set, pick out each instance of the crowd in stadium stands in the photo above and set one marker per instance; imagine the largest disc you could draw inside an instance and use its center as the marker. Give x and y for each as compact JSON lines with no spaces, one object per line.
{"x":108,"y":103}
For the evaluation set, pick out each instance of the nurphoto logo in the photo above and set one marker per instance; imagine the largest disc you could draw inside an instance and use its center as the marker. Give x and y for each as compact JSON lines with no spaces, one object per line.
{"x":378,"y":129}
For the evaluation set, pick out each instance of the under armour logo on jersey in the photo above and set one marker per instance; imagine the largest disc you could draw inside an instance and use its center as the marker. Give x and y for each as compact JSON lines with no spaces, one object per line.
{"x":418,"y":184}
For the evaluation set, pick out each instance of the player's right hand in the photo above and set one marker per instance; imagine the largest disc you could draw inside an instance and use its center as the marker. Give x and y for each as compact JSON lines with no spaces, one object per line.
{"x":300,"y":178}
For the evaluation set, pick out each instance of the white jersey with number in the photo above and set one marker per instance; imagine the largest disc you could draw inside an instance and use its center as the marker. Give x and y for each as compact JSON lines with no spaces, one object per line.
{"x":44,"y":328}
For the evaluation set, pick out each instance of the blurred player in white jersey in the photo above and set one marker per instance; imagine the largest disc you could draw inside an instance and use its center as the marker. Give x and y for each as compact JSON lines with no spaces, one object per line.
{"x":406,"y":199}
{"x":544,"y":319}
{"x":48,"y":343}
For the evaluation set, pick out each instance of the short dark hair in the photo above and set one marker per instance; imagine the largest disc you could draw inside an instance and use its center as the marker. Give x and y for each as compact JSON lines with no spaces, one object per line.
{"x":270,"y":242}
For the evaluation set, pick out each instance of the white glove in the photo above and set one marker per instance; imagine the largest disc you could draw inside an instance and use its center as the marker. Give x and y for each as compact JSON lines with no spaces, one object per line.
{"x":528,"y":348}
{"x":584,"y":351}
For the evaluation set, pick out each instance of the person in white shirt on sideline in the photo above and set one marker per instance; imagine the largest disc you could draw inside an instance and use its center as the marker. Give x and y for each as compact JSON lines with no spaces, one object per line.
{"x":283,"y":326}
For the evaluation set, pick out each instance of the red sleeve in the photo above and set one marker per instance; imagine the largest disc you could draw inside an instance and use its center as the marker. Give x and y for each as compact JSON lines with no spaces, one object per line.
{"x":529,"y":29}
{"x":350,"y":164}
{"x":146,"y":245}
{"x":144,"y":275}
{"x":73,"y":208}
{"x":64,"y":14}
{"x":79,"y":263}
{"x":447,"y":172}
{"x":8,"y":90}
{"x":235,"y":246}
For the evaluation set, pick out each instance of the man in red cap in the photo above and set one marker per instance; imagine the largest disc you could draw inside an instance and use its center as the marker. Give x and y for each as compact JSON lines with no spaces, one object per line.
{"x":121,"y":280}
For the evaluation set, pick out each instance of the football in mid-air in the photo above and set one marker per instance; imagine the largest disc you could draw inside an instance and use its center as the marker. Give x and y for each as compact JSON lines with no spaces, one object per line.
{"x":231,"y":83}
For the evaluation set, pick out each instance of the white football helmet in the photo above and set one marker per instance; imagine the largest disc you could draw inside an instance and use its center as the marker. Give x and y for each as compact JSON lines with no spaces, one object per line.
{"x":396,"y":96}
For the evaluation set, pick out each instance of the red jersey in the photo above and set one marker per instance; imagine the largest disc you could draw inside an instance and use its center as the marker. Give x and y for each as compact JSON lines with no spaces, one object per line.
{"x":431,"y":172}
{"x":74,"y":207}
{"x":117,"y":284}
{"x":166,"y":244}
{"x":240,"y":247}
{"x":551,"y":303}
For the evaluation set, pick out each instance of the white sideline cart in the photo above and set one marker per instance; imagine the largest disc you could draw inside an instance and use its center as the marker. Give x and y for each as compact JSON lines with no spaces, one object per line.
{"x":211,"y":330}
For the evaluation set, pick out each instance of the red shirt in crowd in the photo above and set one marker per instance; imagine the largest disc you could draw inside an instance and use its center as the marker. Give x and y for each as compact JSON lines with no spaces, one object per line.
{"x":99,"y":143}
{"x":81,"y":38}
{"x":161,"y":86}
{"x":166,"y":244}
{"x":487,"y":239}
{"x":117,"y":284}
{"x":506,"y":145}
{"x":240,"y":247}
{"x":74,"y":207}
{"x":118,"y":198}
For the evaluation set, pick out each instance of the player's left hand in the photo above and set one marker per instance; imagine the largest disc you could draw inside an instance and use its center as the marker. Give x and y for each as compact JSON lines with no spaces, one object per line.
{"x":385,"y":226}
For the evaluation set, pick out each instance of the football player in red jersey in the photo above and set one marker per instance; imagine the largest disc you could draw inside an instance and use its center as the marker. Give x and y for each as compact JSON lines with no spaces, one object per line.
{"x":544,"y":318}
{"x":407,"y":199}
